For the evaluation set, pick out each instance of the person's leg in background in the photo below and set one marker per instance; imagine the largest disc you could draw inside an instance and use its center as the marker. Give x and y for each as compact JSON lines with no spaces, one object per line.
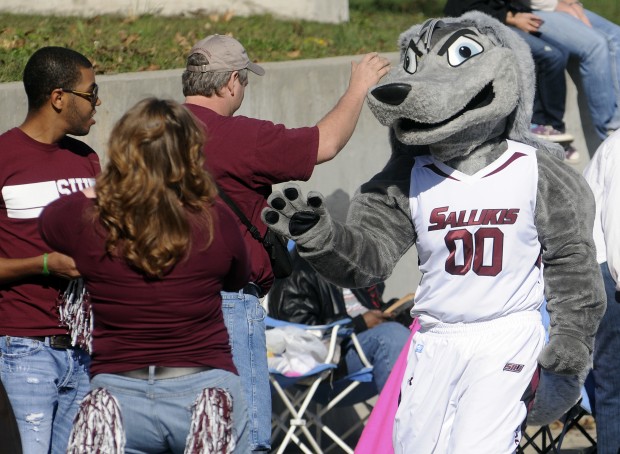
{"x":550,"y":99}
{"x":245,"y":320}
{"x":606,"y":372}
{"x":381,"y":345}
{"x":10,"y":442}
{"x":611,"y":32}
{"x":591,"y":48}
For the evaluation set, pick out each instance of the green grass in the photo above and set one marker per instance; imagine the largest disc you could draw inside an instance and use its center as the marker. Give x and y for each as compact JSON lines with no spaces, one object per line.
{"x":117,"y":44}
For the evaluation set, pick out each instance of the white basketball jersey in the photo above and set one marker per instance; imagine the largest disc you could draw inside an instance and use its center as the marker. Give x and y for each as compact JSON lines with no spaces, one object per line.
{"x":477,"y":244}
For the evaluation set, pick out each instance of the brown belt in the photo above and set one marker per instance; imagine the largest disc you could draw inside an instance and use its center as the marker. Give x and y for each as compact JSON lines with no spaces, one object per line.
{"x":163,"y":372}
{"x":59,"y":341}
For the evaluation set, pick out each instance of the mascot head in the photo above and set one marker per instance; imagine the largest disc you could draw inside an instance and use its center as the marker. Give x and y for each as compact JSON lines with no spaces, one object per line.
{"x":462,"y":82}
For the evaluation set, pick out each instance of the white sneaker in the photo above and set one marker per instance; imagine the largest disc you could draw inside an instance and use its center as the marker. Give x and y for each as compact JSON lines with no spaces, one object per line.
{"x":551,"y":134}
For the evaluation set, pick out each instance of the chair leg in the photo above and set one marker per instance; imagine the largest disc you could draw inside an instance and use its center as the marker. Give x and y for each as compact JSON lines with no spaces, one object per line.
{"x":297,"y":420}
{"x":548,"y":444}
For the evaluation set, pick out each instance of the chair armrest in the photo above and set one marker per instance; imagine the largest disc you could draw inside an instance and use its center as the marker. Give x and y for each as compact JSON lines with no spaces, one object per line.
{"x":271,"y":322}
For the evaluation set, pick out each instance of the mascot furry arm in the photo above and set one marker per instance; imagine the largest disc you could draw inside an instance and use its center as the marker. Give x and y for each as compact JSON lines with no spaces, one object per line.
{"x":464,"y":88}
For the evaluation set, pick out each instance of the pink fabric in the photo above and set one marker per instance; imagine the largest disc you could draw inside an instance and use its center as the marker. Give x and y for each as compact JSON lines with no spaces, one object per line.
{"x":377,"y":435}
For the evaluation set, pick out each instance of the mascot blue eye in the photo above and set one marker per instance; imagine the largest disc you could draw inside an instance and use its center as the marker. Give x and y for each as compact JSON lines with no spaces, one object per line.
{"x":462,"y":50}
{"x":410,"y":64}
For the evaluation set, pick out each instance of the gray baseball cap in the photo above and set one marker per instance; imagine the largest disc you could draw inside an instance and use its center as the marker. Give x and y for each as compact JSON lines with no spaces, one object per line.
{"x":224,"y":54}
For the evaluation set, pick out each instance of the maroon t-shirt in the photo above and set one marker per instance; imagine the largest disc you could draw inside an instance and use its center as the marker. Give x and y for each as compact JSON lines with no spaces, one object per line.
{"x":175,"y":321}
{"x":32,"y":174}
{"x":247,"y":156}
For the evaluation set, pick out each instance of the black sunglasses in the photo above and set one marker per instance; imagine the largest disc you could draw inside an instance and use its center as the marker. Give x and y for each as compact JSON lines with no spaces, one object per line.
{"x":92,"y":96}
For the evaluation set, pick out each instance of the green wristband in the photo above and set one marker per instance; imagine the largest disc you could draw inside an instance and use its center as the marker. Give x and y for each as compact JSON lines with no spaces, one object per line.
{"x":45,"y":271}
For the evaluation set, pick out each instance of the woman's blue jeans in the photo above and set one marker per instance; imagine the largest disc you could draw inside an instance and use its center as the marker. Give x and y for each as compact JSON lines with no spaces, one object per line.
{"x":157,"y":413}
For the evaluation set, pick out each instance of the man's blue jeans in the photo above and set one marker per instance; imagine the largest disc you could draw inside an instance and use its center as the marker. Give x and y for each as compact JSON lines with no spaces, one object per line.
{"x":606,"y":372}
{"x":599,"y":61}
{"x":381,"y":345}
{"x":45,"y":387}
{"x":157,"y":413}
{"x":245,"y":321}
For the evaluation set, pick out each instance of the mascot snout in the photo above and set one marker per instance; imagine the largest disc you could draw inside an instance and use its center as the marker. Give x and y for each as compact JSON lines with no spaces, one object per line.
{"x":393,"y":94}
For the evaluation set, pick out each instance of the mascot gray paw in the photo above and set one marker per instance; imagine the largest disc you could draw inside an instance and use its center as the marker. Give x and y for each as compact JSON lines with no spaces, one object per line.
{"x":565,"y":355}
{"x":555,"y":395}
{"x":293,"y":216}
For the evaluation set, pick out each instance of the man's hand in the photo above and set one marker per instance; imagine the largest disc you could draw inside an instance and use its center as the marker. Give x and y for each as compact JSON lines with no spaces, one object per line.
{"x":62,"y":265}
{"x":575,"y":9}
{"x":336,"y":128}
{"x":375,"y":317}
{"x":527,"y":22}
{"x":368,"y":72}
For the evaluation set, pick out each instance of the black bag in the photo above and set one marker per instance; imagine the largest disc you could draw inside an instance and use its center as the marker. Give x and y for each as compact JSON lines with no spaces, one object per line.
{"x":276,"y":247}
{"x":274,"y":244}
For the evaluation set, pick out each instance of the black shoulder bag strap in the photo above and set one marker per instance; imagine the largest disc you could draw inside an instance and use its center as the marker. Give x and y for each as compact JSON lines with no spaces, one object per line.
{"x":242,"y":217}
{"x":274,"y":244}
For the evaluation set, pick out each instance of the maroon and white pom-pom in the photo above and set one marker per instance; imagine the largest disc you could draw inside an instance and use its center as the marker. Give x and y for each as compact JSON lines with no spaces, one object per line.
{"x":75,"y":312}
{"x":211,"y":429}
{"x":98,"y":426}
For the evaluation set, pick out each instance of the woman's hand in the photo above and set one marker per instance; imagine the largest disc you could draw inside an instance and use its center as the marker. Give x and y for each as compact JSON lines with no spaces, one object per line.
{"x":575,"y":9}
{"x":527,"y":22}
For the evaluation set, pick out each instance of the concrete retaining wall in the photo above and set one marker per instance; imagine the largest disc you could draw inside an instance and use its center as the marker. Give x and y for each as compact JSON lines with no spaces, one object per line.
{"x":330,"y":11}
{"x":296,"y":93}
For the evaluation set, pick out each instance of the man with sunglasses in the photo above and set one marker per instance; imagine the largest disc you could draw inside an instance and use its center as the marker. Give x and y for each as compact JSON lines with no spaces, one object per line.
{"x":44,"y":375}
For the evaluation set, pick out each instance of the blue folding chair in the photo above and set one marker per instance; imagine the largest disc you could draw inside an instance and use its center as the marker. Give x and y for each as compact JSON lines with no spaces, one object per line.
{"x":319,"y":386}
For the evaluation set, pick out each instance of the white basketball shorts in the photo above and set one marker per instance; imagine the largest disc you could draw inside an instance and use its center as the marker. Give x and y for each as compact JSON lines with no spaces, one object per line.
{"x":464,"y":385}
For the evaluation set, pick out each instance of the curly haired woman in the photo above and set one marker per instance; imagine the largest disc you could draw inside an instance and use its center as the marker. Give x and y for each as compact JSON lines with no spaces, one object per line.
{"x":155,"y":248}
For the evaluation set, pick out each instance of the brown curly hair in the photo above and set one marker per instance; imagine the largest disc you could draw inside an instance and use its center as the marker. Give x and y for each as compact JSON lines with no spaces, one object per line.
{"x":154,"y":185}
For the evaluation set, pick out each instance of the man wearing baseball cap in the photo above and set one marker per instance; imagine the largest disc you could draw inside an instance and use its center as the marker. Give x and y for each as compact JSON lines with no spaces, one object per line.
{"x":247,"y":156}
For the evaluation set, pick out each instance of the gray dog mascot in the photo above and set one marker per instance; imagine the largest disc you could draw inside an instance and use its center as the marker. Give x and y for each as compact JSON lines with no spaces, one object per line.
{"x":501,"y":225}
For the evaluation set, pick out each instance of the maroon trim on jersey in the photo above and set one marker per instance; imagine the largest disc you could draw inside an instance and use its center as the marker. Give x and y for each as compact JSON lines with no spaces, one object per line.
{"x":440,"y":172}
{"x":513,"y":158}
{"x":538,"y":263}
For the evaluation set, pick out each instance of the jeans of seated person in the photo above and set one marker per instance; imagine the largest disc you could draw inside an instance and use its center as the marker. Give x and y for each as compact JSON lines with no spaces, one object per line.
{"x":381,"y":345}
{"x":550,"y":96}
{"x":606,"y":372}
{"x":598,"y":50}
{"x":45,"y":387}
{"x":245,"y":320}
{"x":157,"y":413}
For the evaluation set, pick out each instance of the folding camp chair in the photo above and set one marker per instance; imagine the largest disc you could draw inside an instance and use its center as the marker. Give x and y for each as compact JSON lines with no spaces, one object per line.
{"x":543,"y":440}
{"x":319,"y":386}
